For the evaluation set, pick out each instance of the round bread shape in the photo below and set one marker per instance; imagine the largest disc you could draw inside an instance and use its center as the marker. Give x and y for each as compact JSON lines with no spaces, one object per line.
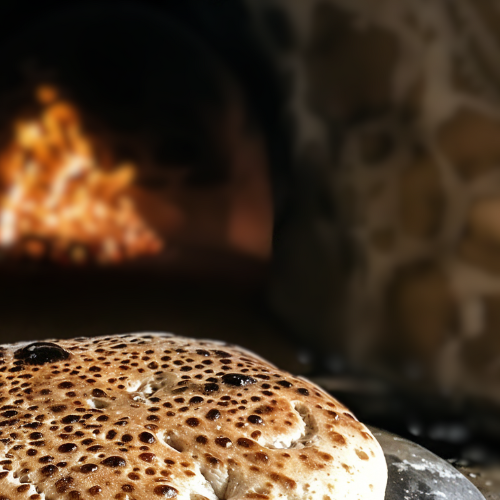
{"x":151,"y":416}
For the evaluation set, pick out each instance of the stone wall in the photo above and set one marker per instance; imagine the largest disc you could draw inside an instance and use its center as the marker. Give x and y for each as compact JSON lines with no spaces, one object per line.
{"x":391,"y":255}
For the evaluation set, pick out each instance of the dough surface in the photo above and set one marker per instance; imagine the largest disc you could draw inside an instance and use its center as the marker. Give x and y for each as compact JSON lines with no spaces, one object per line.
{"x":149,"y":416}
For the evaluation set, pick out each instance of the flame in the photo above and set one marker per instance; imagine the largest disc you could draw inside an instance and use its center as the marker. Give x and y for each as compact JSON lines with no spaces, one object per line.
{"x":57,"y":201}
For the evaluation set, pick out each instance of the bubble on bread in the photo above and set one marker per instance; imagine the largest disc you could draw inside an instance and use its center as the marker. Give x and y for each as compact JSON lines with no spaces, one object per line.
{"x":150,"y":416}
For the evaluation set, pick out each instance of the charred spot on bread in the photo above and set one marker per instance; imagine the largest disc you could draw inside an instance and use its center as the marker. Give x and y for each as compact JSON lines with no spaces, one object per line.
{"x":41,"y":353}
{"x":156,"y":416}
{"x":237,"y":379}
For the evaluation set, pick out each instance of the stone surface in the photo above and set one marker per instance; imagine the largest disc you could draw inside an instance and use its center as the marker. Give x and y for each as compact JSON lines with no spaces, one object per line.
{"x":475,"y":69}
{"x":376,"y":146}
{"x":384,"y":239}
{"x":417,"y":474}
{"x":471,"y":141}
{"x":420,"y":315}
{"x":402,"y":100}
{"x":349,"y":68}
{"x":486,"y":479}
{"x":489,"y":14}
{"x":480,"y":245}
{"x":423,"y":199}
{"x":482,"y":353}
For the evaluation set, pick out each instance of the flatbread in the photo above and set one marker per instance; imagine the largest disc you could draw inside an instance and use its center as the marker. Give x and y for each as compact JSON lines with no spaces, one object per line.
{"x":149,"y":416}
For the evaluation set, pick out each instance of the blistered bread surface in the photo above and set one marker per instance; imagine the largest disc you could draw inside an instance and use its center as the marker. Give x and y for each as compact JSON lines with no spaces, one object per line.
{"x":157,"y":416}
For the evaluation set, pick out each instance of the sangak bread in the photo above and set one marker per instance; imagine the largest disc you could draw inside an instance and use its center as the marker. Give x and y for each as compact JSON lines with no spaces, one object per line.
{"x":147,"y":416}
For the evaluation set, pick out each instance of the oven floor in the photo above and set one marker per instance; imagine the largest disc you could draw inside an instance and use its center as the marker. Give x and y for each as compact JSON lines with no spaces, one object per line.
{"x":43,"y":303}
{"x":486,"y":479}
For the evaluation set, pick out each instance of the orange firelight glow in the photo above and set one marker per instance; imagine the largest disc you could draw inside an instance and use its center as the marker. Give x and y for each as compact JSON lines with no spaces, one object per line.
{"x":56,"y":199}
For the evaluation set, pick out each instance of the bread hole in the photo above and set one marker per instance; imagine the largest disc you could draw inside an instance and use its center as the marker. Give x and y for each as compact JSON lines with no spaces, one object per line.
{"x":218,"y":479}
{"x":21,"y":476}
{"x":40,"y":491}
{"x":205,"y":490}
{"x":139,"y":398}
{"x":234,"y":486}
{"x":310,"y":425}
{"x":303,"y":437}
{"x":172,"y":440}
{"x":147,"y":388}
{"x":99,"y":403}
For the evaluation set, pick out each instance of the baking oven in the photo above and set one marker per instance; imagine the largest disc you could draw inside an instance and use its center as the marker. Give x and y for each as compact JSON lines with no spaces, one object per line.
{"x":137,"y":161}
{"x":163,"y":167}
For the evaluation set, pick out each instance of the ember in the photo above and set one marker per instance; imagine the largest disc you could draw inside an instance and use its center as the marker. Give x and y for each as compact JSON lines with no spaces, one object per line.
{"x":58,"y":202}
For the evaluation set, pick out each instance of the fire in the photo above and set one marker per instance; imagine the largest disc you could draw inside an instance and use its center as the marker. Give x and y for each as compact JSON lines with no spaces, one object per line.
{"x":58,"y":202}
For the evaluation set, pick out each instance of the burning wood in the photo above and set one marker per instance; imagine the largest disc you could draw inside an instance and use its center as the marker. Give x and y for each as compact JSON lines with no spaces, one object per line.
{"x":58,"y":202}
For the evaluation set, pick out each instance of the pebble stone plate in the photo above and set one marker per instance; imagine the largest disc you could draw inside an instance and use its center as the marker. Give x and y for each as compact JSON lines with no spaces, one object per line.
{"x":417,"y":474}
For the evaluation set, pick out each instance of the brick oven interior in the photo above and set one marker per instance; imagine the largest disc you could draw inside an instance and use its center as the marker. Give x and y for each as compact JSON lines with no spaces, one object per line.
{"x":202,"y":181}
{"x":321,"y":177}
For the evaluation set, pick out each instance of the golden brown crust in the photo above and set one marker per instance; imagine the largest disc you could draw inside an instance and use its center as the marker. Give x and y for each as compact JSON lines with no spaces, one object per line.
{"x":151,"y":416}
